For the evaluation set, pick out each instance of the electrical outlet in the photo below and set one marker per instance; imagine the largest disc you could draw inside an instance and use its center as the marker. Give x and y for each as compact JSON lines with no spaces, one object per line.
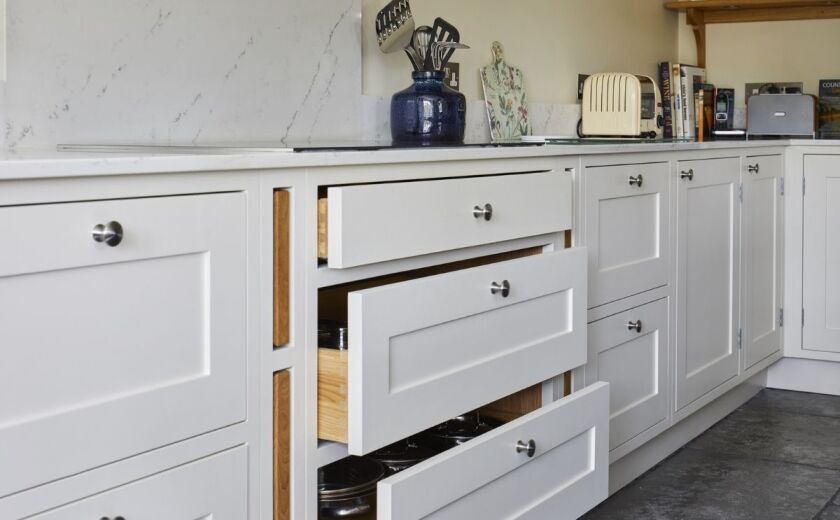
{"x":752,"y":89}
{"x":452,"y":75}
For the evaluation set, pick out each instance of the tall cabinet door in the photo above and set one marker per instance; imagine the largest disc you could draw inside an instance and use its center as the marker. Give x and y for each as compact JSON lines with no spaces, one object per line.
{"x":707,"y":276}
{"x":762,"y":250}
{"x":821,"y":254}
{"x":626,"y":229}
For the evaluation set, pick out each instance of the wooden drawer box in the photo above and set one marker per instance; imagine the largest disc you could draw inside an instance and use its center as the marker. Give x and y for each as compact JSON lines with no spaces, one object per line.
{"x":627,"y":229}
{"x":113,"y":350}
{"x":215,"y":487}
{"x":427,"y":349}
{"x":373,"y":223}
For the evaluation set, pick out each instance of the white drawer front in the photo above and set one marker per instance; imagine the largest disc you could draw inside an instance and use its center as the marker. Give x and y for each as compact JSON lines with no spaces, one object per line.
{"x":379,"y":222}
{"x":488,"y":478}
{"x":215,"y":488}
{"x":426,"y":350}
{"x":635,"y":364}
{"x":112,"y":351}
{"x":627,"y":230}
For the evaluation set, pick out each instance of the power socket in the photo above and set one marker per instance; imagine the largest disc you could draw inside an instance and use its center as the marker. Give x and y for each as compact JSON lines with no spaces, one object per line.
{"x":452,"y":75}
{"x":752,"y":89}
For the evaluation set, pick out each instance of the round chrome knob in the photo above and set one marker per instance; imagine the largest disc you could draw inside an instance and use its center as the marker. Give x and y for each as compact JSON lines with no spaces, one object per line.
{"x":753,"y":168}
{"x":500,"y":288}
{"x":486,"y":212}
{"x":635,"y":325}
{"x":636,"y":181}
{"x":530,"y":447}
{"x":110,"y":233}
{"x":687,"y":175}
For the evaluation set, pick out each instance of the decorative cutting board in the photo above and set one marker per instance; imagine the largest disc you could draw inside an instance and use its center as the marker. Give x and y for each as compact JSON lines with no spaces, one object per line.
{"x":504,"y":96}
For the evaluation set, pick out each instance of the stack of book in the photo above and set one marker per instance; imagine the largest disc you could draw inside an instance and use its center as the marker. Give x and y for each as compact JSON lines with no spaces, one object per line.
{"x":687,"y":101}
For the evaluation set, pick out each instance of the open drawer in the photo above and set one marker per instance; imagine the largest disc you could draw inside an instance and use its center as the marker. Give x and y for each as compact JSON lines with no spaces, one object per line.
{"x":372,"y":223}
{"x":497,"y":476}
{"x":427,"y":349}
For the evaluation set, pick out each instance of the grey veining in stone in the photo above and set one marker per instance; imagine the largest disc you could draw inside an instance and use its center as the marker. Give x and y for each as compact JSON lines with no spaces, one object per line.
{"x":181,"y":71}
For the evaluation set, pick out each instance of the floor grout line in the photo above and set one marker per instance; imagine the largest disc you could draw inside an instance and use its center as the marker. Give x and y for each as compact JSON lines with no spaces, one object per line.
{"x":827,"y":504}
{"x":762,"y":459}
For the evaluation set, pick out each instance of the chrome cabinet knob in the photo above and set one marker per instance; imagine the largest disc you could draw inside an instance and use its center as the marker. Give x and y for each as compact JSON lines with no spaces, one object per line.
{"x":687,"y":174}
{"x":486,"y":212}
{"x":635,"y":325}
{"x":636,"y":181}
{"x":753,"y":168}
{"x":530,"y":447}
{"x":110,"y":233}
{"x":500,"y":288}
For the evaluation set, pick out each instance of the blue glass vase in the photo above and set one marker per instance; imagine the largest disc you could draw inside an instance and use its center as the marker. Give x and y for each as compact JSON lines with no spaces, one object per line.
{"x":428,"y":111}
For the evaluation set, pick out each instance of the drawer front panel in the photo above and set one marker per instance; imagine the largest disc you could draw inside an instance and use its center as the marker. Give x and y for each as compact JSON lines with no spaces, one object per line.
{"x":212,"y":488}
{"x":488,"y":478}
{"x":429,"y":349}
{"x":627,"y":229}
{"x":113,"y":351}
{"x":380,"y":222}
{"x":635,"y":364}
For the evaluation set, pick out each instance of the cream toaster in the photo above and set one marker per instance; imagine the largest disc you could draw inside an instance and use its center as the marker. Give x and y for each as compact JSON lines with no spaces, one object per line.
{"x":618,"y":104}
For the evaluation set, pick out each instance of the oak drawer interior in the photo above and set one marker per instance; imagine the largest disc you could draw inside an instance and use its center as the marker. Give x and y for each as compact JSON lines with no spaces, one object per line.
{"x":333,"y":364}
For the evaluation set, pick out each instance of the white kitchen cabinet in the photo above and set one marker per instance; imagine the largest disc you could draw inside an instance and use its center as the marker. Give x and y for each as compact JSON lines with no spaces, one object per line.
{"x":211,"y":488}
{"x":110,"y":349}
{"x":629,"y":350}
{"x":708,"y":260}
{"x":627,"y":228}
{"x":821,"y":254}
{"x":762,"y":273}
{"x":373,"y":223}
{"x":562,"y":476}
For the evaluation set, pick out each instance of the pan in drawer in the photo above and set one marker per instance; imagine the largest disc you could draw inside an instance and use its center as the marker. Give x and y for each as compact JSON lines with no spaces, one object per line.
{"x":551,"y":463}
{"x":424,"y":350}
{"x":373,"y":223}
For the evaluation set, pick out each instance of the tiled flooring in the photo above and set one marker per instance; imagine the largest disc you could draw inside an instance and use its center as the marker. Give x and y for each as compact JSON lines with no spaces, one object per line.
{"x":776,"y":457}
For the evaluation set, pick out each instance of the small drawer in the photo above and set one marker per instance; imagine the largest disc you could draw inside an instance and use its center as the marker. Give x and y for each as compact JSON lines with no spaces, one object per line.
{"x":563,"y":475}
{"x":114,"y":349}
{"x":426,"y":349}
{"x":372,"y":223}
{"x":627,"y":229}
{"x":629,"y":350}
{"x":215,"y":487}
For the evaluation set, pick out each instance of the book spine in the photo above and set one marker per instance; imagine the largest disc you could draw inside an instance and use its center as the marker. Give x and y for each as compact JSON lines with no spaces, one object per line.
{"x":665,"y":85}
{"x":687,"y":130}
{"x":676,"y":115}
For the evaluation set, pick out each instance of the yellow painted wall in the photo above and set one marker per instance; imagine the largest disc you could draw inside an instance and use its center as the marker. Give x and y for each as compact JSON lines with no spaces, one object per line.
{"x":769,"y":51}
{"x":550,"y":40}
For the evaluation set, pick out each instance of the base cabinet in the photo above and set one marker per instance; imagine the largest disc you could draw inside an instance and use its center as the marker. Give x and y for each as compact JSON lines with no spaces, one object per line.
{"x":629,"y":350}
{"x":212,"y":488}
{"x":763,"y":225}
{"x":821,"y":254}
{"x":708,"y":260}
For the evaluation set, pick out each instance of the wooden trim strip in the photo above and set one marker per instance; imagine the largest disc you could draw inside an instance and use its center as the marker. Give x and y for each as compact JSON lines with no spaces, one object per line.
{"x":281,"y":268}
{"x":281,"y":445}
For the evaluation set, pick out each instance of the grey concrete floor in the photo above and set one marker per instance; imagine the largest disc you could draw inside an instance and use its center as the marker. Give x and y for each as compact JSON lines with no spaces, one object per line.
{"x":776,"y":457}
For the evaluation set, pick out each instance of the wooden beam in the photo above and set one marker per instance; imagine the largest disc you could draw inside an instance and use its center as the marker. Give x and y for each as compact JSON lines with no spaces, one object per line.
{"x":746,"y":4}
{"x":772,"y":15}
{"x":697,"y":20}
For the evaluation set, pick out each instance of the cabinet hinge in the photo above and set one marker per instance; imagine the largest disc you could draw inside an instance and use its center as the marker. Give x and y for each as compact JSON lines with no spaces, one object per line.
{"x":740,"y":338}
{"x":741,"y":192}
{"x":781,"y":317}
{"x":782,"y":187}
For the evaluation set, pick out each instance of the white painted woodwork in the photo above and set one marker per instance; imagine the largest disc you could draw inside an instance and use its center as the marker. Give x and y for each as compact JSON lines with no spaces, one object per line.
{"x":708,"y":259}
{"x":377,"y":222}
{"x":821,"y":254}
{"x":487,"y":478}
{"x":635,"y":364}
{"x":426,"y":350}
{"x":113,"y":351}
{"x":627,"y":230}
{"x":214,"y":488}
{"x":762,"y":274}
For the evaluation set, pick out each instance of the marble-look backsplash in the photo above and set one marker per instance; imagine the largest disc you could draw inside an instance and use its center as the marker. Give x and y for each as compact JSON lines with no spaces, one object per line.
{"x":181,"y":71}
{"x":546,"y":119}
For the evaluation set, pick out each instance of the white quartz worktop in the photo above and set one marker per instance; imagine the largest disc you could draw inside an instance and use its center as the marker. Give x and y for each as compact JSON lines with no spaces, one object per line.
{"x":40,"y":164}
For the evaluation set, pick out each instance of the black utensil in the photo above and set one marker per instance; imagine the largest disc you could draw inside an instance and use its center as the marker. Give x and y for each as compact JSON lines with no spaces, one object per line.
{"x":443,"y":31}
